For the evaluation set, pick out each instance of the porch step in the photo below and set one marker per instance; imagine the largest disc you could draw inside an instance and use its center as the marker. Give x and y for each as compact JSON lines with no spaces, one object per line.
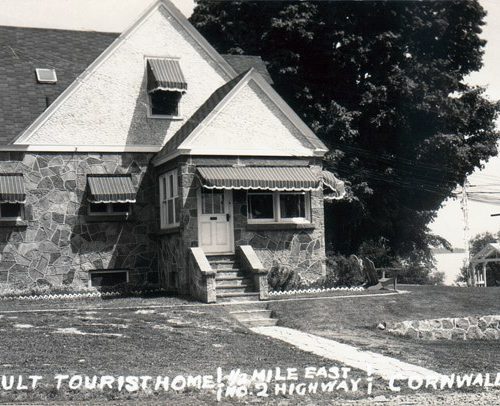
{"x":223,"y":281}
{"x":237,"y":296}
{"x":233,"y":289}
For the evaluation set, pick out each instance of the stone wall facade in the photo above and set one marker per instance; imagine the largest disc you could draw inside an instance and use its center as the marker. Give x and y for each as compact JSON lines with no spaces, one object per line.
{"x":298,"y":248}
{"x":459,"y":328}
{"x":57,"y":243}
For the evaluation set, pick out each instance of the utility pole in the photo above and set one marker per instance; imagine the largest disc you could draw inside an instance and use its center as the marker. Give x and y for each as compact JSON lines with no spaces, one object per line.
{"x":465,"y":211}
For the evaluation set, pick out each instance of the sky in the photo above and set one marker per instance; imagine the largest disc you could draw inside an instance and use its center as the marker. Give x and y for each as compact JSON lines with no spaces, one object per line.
{"x":117,"y":15}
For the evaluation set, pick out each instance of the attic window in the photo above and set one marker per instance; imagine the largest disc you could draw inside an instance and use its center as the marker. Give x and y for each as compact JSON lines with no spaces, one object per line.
{"x":46,"y":75}
{"x":166,"y":85}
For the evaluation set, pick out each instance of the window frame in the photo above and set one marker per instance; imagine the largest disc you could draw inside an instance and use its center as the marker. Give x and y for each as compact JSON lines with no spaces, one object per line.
{"x":109,"y":210}
{"x":168,"y":192}
{"x":21,"y":212}
{"x":178,"y":116}
{"x":277,"y":219}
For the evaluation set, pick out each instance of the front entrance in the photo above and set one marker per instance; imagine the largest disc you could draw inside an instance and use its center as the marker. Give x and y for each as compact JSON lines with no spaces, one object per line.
{"x":215,"y":221}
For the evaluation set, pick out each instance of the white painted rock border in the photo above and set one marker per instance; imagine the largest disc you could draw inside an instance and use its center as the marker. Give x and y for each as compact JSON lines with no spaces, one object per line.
{"x":316,"y":290}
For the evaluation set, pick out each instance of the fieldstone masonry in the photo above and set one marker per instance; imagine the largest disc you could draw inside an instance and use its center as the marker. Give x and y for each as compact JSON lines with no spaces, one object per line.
{"x":58,"y":243}
{"x":285,"y":248}
{"x":459,"y":328}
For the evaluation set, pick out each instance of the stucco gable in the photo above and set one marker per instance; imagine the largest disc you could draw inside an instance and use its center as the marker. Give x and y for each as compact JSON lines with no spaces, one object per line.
{"x":107,"y":106}
{"x":253,"y":120}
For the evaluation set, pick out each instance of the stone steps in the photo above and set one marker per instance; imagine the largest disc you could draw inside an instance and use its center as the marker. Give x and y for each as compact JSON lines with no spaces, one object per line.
{"x":253,"y":316}
{"x":231,"y":283}
{"x":225,"y":297}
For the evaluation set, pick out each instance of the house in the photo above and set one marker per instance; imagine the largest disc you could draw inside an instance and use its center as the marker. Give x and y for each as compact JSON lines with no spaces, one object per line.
{"x":489,"y":255}
{"x":150,"y":158}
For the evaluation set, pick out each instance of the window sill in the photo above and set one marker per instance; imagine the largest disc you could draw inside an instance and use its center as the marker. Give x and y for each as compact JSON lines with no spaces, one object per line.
{"x":166,"y":231}
{"x":172,"y":118}
{"x":280,"y":226}
{"x":106,"y":218}
{"x":13,"y":223}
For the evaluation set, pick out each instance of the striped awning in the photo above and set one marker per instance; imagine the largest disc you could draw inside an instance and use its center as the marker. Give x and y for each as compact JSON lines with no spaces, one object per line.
{"x":335,"y":185}
{"x":12,"y":188}
{"x":111,"y":189}
{"x":165,"y":74}
{"x":264,"y":178}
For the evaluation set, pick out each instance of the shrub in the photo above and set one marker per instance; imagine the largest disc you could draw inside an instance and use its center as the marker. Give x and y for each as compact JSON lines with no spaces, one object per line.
{"x":282,"y":277}
{"x":343,"y":271}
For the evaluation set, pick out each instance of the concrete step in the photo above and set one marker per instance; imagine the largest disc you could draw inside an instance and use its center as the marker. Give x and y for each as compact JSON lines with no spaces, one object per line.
{"x":255,"y":314}
{"x":223,"y":265}
{"x":229,"y":273}
{"x":234,"y":289}
{"x":237,"y":296}
{"x":233,"y":281}
{"x":240,"y":307}
{"x":259,"y":322}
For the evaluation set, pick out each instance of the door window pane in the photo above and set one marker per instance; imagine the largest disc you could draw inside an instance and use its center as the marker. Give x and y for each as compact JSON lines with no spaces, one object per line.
{"x":206,"y":202}
{"x":218,"y":201}
{"x":292,"y":205}
{"x":260,"y":206}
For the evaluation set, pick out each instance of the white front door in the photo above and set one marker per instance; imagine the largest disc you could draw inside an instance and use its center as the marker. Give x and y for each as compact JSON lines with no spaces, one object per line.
{"x":215,"y":221}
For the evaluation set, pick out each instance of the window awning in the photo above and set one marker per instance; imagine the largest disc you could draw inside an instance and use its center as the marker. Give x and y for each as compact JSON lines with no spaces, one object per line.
{"x":111,"y":189}
{"x":165,"y":74}
{"x":263,"y":178}
{"x":12,"y":188}
{"x":334,"y":184}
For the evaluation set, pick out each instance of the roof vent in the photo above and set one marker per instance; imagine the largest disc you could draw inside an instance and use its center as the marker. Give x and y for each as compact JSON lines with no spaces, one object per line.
{"x":46,"y":75}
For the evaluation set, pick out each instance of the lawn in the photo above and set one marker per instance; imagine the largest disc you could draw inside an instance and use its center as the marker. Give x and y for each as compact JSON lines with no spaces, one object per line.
{"x":115,"y":338}
{"x":168,"y":336}
{"x":354,"y":321}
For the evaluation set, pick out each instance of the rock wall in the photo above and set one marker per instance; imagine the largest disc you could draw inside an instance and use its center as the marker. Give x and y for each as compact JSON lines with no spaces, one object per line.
{"x":57,"y":243}
{"x":460,"y":328}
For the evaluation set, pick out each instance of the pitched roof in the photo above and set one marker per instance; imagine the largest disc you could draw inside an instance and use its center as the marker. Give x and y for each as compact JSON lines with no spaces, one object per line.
{"x":242,"y":63}
{"x":203,"y":111}
{"x":217,"y":100}
{"x":22,"y":50}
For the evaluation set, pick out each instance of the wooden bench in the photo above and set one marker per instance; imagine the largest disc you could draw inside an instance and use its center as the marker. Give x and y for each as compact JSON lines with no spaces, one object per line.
{"x":376,"y":283}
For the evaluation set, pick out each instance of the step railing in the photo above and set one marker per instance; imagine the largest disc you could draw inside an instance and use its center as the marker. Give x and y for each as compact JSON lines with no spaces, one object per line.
{"x":202,"y":286}
{"x":250,"y":262}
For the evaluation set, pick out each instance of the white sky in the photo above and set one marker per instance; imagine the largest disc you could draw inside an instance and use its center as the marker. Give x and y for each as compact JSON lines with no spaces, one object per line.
{"x":117,"y":15}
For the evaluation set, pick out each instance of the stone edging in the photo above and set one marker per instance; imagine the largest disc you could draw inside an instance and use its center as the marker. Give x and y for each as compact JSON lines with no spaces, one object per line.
{"x":317,"y":290}
{"x":80,"y":295}
{"x":458,"y":328}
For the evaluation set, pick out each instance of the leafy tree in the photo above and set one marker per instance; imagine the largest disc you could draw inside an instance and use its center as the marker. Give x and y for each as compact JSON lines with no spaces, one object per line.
{"x":382,"y":84}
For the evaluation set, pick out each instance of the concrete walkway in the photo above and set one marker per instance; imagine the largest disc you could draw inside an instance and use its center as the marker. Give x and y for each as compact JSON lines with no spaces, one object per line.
{"x":377,"y":364}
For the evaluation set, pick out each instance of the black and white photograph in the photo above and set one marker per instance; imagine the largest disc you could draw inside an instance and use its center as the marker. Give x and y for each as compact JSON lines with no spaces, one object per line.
{"x":262,"y":202}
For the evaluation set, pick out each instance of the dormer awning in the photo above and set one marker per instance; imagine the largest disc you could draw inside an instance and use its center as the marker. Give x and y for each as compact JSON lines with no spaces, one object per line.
{"x":165,"y":74}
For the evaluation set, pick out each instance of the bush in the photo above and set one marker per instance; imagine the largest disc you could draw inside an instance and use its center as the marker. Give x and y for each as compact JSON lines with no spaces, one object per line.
{"x":343,"y":271}
{"x":282,"y":277}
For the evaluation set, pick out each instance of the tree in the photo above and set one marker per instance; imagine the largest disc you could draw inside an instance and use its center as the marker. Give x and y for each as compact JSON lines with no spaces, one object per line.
{"x":382,"y":84}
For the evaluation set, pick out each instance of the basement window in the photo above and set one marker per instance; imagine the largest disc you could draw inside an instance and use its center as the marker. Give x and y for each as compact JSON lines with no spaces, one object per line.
{"x":46,"y":75}
{"x":108,"y":278}
{"x":11,"y":211}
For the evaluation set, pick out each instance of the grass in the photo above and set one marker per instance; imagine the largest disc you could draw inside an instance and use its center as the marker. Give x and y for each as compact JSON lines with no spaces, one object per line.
{"x":176,"y":336}
{"x":119,"y":340}
{"x":354,"y":321}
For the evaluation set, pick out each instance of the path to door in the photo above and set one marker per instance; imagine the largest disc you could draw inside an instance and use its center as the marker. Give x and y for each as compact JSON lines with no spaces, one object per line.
{"x":378,"y":364}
